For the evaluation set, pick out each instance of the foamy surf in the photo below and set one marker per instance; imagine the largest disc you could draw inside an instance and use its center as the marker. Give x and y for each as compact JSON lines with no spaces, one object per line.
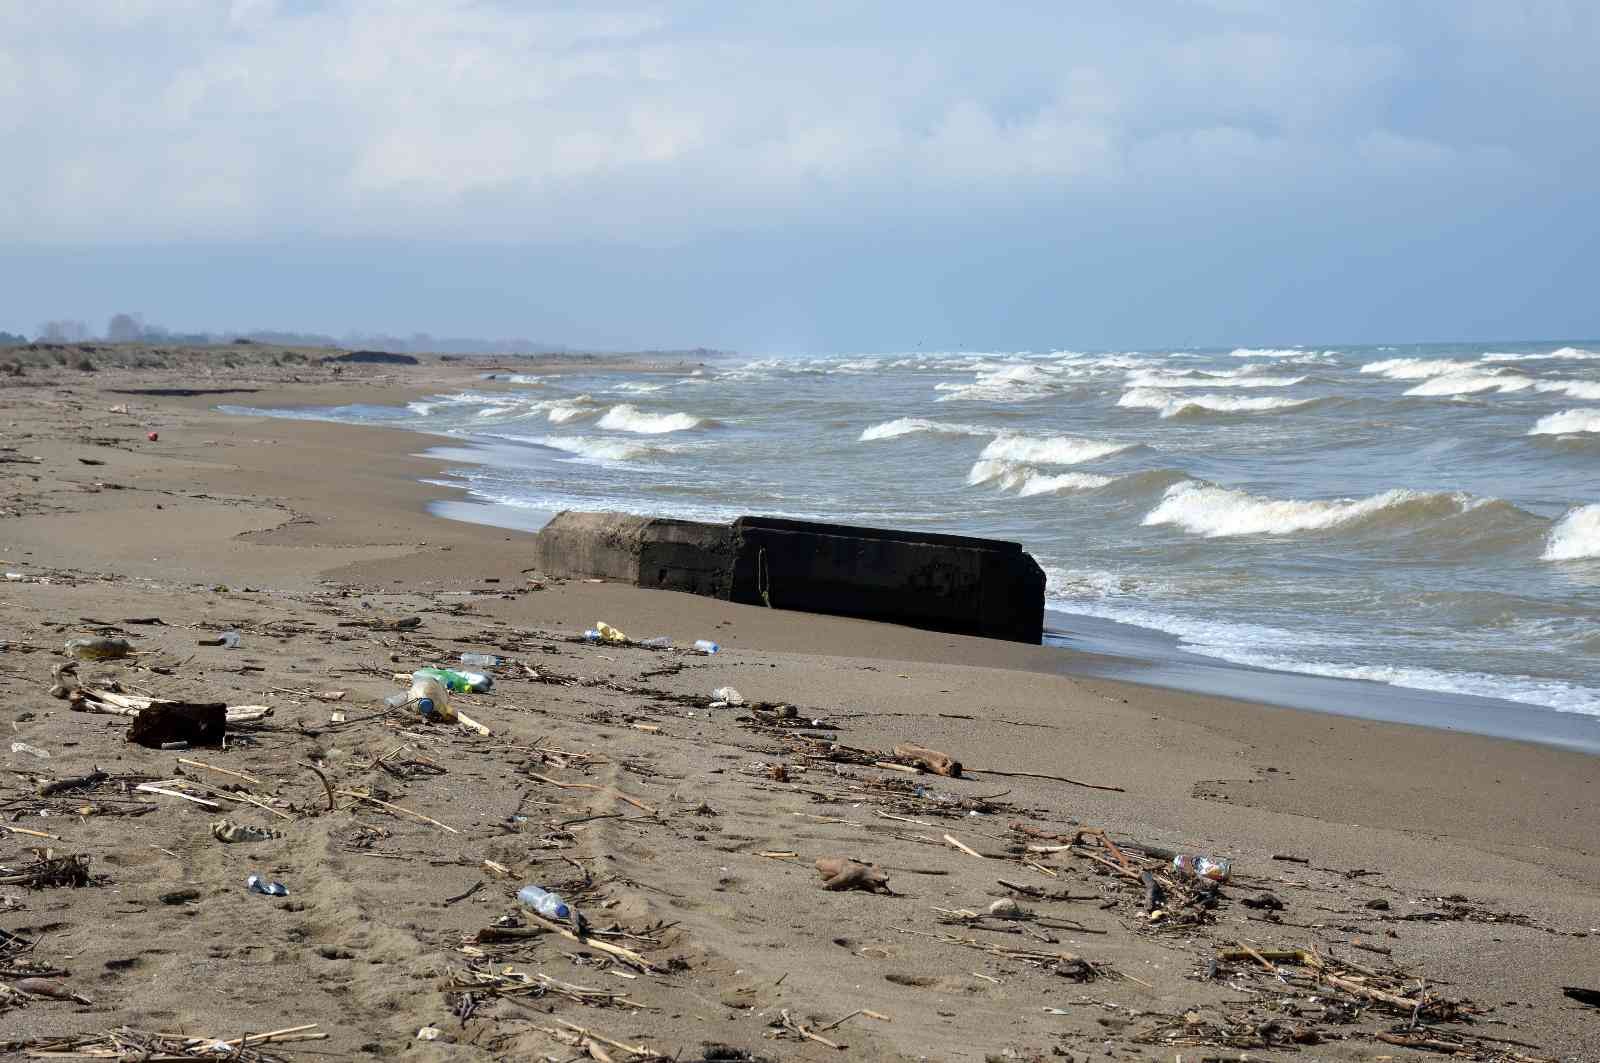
{"x":1051,"y":450}
{"x":905,"y":426}
{"x":629,"y":418}
{"x":1169,"y":406}
{"x":1027,"y":481}
{"x":1565,"y":354}
{"x":1196,"y":379}
{"x":1470,"y":382}
{"x":1567,"y":422}
{"x":1214,"y":511}
{"x":1576,"y":536}
{"x":1417,"y":368}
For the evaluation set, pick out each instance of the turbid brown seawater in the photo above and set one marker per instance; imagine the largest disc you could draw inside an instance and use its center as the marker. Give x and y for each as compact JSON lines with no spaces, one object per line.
{"x":306,"y":537}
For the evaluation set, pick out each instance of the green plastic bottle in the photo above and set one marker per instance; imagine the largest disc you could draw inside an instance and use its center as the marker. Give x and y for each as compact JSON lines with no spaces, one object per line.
{"x":459,"y":682}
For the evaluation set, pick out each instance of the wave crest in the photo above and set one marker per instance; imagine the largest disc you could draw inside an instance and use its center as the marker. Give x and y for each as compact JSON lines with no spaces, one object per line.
{"x":1576,"y":536}
{"x":1193,"y":379}
{"x":1027,"y":480}
{"x":905,"y":426}
{"x":1052,"y":450}
{"x":1169,"y":406}
{"x":1416,"y":368}
{"x":1213,"y":511}
{"x":1567,"y":422}
{"x":1470,"y":382}
{"x":629,"y":418}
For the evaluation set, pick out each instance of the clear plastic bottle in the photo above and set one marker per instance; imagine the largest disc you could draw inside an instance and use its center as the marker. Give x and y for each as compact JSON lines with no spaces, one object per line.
{"x":98,"y":649}
{"x":660,"y":642}
{"x":428,"y":695}
{"x":706,"y":646}
{"x":1215,"y":868}
{"x":481,"y":660}
{"x":550,"y":905}
{"x":459,"y":682}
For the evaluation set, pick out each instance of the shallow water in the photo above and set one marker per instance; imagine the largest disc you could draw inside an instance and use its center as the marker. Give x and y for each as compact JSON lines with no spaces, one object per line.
{"x":1425,"y":517}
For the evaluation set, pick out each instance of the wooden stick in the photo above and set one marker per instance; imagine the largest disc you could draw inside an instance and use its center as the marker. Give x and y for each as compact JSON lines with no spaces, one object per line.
{"x":1051,"y":778}
{"x":965,"y":849}
{"x":636,"y":1050}
{"x":628,"y":956}
{"x":891,"y":766}
{"x":472,"y":725}
{"x":246,"y":776}
{"x":592,"y":786}
{"x":326,"y":785}
{"x":9,"y":829}
{"x":152,"y":789}
{"x":397,"y":808}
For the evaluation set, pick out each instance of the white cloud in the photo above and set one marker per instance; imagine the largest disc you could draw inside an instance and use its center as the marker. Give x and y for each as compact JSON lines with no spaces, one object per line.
{"x":189,"y":119}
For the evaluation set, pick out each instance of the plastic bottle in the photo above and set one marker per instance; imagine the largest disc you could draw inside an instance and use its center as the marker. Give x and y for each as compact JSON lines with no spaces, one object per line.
{"x":728,"y":696}
{"x":660,"y":642}
{"x":230,"y":639}
{"x":257,"y":884}
{"x":428,"y":695}
{"x":459,"y":682}
{"x":591,"y":635}
{"x":609,"y":633}
{"x":97,"y":649}
{"x":706,"y":646}
{"x":481,"y":660}
{"x":550,"y":905}
{"x":1215,"y":868}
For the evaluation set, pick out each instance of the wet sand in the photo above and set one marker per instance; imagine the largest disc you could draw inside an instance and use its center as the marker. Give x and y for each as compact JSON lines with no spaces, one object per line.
{"x":299,"y":535}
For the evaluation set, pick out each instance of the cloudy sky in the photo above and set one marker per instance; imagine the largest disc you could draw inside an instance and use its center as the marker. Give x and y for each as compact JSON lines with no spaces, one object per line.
{"x":807,"y":177}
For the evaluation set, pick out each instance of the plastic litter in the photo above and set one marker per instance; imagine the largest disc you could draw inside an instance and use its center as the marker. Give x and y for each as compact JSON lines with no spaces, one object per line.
{"x":481,"y":660}
{"x":32,"y":751}
{"x":660,"y":642}
{"x":550,"y":905}
{"x":609,"y":633}
{"x":728,"y":696}
{"x":1217,"y":869}
{"x":459,"y":682}
{"x":257,"y":884}
{"x":98,"y":649}
{"x":428,"y":695}
{"x":706,"y":646}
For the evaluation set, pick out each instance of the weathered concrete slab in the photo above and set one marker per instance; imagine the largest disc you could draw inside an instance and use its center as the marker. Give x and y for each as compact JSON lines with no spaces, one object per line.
{"x":942,"y":582}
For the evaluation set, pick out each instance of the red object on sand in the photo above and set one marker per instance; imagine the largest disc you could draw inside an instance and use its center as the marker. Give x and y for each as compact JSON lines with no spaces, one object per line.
{"x":152,"y":436}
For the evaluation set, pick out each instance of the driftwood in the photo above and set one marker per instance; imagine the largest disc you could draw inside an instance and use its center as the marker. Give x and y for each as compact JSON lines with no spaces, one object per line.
{"x":930,"y":760}
{"x":61,"y":786}
{"x":198,"y":723}
{"x":843,"y":873}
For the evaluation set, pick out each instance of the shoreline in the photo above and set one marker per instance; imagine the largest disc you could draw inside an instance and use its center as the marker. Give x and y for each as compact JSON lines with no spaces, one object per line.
{"x":300,"y":534}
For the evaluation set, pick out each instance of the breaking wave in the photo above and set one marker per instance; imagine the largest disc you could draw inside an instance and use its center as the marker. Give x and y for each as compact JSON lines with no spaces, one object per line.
{"x":1011,"y":383}
{"x":1190,"y":378}
{"x":1573,"y":354}
{"x":1267,"y":352}
{"x":1213,"y":511}
{"x":1567,"y":422}
{"x":1575,"y":389}
{"x":905,"y":426}
{"x":1052,"y":450}
{"x":1576,"y":536}
{"x":1416,"y":368}
{"x":628,"y":418}
{"x":1190,"y":405}
{"x":1026,"y":480}
{"x":596,"y":449}
{"x":1470,"y":382}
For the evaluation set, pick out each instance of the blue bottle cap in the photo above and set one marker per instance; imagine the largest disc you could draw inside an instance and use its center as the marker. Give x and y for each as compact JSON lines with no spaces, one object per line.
{"x":425,"y":706}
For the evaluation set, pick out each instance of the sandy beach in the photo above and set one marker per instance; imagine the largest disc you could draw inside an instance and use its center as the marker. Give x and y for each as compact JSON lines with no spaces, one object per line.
{"x":1433,"y":888}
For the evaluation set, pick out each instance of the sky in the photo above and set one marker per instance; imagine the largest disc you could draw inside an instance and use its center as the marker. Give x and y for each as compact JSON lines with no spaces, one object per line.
{"x":781,"y":177}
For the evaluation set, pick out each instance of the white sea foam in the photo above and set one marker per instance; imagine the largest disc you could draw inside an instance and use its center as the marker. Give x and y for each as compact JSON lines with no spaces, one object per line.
{"x":1050,"y":450}
{"x":567,"y":412}
{"x":1180,"y":405}
{"x":1004,"y":383}
{"x":1416,"y":368}
{"x":1576,"y":389}
{"x":628,"y":418}
{"x":1027,"y":480}
{"x":421,"y":409}
{"x":1573,"y":354}
{"x":1471,"y":382}
{"x":905,"y":426}
{"x":1268,"y":352}
{"x":638,"y":387}
{"x":1189,"y":378}
{"x":1567,"y":422}
{"x":1213,"y":511}
{"x":1576,"y":536}
{"x":598,"y":449}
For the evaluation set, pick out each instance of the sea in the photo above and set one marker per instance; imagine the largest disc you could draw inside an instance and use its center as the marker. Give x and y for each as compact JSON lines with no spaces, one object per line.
{"x":1423,"y":520}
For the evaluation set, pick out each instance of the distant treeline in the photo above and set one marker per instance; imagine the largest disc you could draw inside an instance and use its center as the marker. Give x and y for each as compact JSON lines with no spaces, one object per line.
{"x":132,"y":328}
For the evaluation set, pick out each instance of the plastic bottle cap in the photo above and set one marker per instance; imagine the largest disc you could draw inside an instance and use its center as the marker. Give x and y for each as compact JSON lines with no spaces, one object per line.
{"x":425,"y":706}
